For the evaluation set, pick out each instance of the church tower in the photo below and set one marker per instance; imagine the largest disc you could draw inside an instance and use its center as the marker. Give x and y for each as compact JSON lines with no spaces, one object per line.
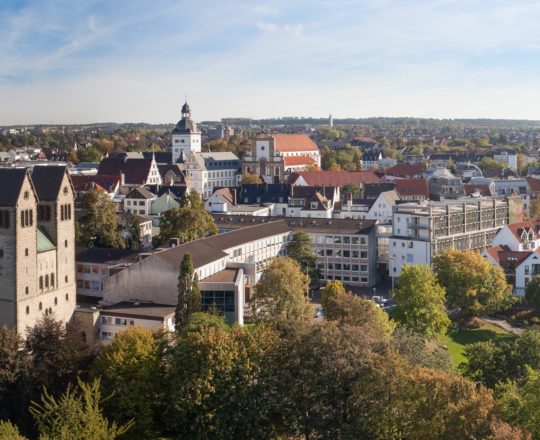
{"x":186,"y":137}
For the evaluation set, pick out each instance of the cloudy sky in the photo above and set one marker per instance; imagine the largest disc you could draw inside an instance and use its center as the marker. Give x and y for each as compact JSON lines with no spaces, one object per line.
{"x":79,"y":61}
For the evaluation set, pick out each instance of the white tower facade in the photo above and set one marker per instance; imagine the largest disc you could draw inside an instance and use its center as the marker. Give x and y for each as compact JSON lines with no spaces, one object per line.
{"x":186,"y":137}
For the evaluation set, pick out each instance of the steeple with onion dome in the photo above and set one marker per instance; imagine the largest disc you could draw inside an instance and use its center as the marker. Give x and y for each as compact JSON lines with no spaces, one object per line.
{"x":186,"y":137}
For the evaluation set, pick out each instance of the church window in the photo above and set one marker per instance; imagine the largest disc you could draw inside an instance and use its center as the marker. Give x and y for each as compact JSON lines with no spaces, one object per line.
{"x":26,"y":252}
{"x":26,"y":195}
{"x":65,"y":189}
{"x":26,"y":290}
{"x":27,"y":310}
{"x":46,"y":281}
{"x":55,"y":301}
{"x":52,"y":279}
{"x":41,"y":283}
{"x":40,"y":306}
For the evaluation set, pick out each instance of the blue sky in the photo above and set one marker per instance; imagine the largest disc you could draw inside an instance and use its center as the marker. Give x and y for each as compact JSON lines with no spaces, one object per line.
{"x":132,"y":60}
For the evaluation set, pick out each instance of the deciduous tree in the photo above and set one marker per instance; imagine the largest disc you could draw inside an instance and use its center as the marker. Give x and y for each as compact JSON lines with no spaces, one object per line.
{"x":532,"y":293}
{"x":300,"y":249}
{"x":420,"y":301}
{"x":472,"y":284}
{"x":98,"y":225}
{"x":281,"y":293}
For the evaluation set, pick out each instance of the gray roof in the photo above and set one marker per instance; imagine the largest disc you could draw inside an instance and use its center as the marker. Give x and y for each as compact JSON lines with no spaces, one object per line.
{"x":221,"y":160}
{"x":11,"y":181}
{"x":47,"y":181}
{"x":126,"y":309}
{"x":140,"y":193}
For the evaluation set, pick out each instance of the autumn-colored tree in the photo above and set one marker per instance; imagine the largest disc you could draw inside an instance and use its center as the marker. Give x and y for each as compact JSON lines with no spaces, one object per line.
{"x":221,"y":383}
{"x":472,"y":284}
{"x":250,"y":179}
{"x":331,"y":290}
{"x":8,"y":431}
{"x":281,"y":292}
{"x":534,"y":209}
{"x":97,"y":225}
{"x":420,"y":301}
{"x":129,"y":368}
{"x":532,"y":293}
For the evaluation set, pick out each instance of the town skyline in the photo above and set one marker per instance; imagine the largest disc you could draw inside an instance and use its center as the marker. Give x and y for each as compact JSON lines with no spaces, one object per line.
{"x":135,"y":61}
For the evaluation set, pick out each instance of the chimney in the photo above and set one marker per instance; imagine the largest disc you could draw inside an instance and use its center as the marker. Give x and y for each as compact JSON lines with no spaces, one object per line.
{"x":173,"y":242}
{"x":234,"y":196}
{"x":122,"y":179}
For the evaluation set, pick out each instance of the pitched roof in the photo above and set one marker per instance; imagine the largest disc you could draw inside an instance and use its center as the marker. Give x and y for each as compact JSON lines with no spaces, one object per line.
{"x":484,"y":190}
{"x":43,"y":242}
{"x":209,"y":249}
{"x":140,"y":193}
{"x":135,"y":170}
{"x":295,"y":161}
{"x":406,"y":170}
{"x":412,"y":187}
{"x":86,"y":183}
{"x":48,"y":180}
{"x":373,"y":190}
{"x":512,"y":259}
{"x":11,"y":181}
{"x":227,"y":194}
{"x":334,"y":178}
{"x":517,"y":228}
{"x":286,"y":143}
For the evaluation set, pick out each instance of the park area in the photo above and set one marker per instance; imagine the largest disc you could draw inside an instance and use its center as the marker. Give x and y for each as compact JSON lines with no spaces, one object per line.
{"x":457,"y":340}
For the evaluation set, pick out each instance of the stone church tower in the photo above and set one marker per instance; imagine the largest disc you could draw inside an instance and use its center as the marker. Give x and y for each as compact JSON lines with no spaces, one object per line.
{"x":37,"y":246}
{"x":186,"y":138}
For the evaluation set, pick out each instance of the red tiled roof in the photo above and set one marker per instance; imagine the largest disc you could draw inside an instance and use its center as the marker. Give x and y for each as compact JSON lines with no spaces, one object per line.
{"x":286,"y":143}
{"x":412,"y":187}
{"x":227,"y":195}
{"x":295,"y":161}
{"x":484,"y":190}
{"x":494,"y":251}
{"x":534,"y":185}
{"x":517,"y":228}
{"x":334,"y":178}
{"x":85,"y":183}
{"x":407,"y":170}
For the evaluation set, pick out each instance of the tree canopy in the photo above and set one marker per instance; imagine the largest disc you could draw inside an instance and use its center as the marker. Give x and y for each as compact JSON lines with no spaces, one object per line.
{"x":472,"y":284}
{"x":189,"y":294}
{"x":300,"y":249}
{"x":420,"y":301}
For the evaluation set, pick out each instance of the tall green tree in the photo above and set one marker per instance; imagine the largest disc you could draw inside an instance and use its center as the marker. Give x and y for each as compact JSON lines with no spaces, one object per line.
{"x":300,"y":249}
{"x":97,"y":226}
{"x":189,"y":294}
{"x":130,"y":369}
{"x":8,"y":431}
{"x":89,"y":154}
{"x":189,"y":222}
{"x":75,"y":415}
{"x":332,"y":289}
{"x":281,"y":292}
{"x":420,"y":301}
{"x":472,"y":284}
{"x":220,"y":384}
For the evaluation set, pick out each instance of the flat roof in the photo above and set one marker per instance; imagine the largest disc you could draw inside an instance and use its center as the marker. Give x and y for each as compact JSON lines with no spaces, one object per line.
{"x":223,"y":276}
{"x":105,"y":255}
{"x":155,"y":312}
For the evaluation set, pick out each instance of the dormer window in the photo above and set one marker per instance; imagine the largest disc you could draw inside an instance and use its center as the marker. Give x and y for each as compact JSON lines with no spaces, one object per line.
{"x":314,"y":205}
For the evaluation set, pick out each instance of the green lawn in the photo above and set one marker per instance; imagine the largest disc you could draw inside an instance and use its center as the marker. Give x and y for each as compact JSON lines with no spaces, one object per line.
{"x":456,"y":341}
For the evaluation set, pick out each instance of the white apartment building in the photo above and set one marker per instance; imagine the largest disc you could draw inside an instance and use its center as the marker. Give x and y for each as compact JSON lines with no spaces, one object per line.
{"x":211,"y":170}
{"x":421,"y":231}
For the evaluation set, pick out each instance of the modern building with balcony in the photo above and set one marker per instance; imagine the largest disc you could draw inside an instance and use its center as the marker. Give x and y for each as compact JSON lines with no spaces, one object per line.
{"x":421,"y":231}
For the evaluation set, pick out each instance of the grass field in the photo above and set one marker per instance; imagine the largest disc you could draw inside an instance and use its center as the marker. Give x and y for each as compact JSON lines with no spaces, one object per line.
{"x":456,"y":341}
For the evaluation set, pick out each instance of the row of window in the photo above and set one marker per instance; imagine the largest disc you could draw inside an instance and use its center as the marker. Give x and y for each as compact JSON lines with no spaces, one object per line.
{"x":345,"y":278}
{"x":48,"y":311}
{"x":339,"y":239}
{"x":109,"y":320}
{"x":45,"y":282}
{"x":347,"y":267}
{"x":340,"y":253}
{"x":65,"y":212}
{"x":27,"y":218}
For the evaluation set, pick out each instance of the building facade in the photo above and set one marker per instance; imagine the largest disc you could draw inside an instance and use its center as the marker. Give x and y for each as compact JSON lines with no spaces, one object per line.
{"x":186,"y":137}
{"x":37,"y":246}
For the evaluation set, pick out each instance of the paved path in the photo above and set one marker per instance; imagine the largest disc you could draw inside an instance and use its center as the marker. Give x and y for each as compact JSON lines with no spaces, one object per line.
{"x":505,"y":325}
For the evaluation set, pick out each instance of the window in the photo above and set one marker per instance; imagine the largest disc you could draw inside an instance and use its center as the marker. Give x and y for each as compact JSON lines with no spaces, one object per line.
{"x":41,"y":282}
{"x":66,"y":279}
{"x":120,"y":321}
{"x":363,"y":268}
{"x":4,"y":219}
{"x":67,"y":296}
{"x":346,"y":254}
{"x":107,"y":335}
{"x":26,"y":252}
{"x":40,"y":306}
{"x":1,"y":253}
{"x":27,"y":310}
{"x":409,"y":258}
{"x":26,"y":290}
{"x":65,"y":243}
{"x":52,"y":279}
{"x":55,"y":301}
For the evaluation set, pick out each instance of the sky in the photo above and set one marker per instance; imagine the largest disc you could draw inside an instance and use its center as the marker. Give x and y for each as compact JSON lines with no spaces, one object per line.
{"x":83,"y":61}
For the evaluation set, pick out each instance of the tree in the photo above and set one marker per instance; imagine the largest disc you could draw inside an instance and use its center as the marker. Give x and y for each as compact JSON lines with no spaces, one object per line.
{"x":129,"y":368}
{"x":348,"y":309}
{"x":522,"y":164}
{"x":8,"y":431}
{"x":189,"y":294}
{"x":134,"y":227}
{"x":98,"y":225}
{"x":534,"y":209}
{"x":490,"y":167}
{"x":89,"y":154}
{"x":220,"y":384}
{"x":532,"y":293}
{"x":300,"y":249}
{"x":75,"y":415}
{"x":472,"y":284}
{"x":420,"y":301}
{"x":332,"y":289}
{"x":189,"y":222}
{"x":199,"y":321}
{"x":250,"y":179}
{"x":281,"y":293}
{"x":520,"y":404}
